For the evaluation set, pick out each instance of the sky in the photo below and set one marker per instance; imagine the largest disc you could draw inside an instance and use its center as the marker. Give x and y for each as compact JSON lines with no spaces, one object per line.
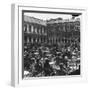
{"x":46,"y":16}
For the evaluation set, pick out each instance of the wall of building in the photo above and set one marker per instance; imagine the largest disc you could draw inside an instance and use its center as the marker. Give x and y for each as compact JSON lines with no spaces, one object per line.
{"x":53,"y":32}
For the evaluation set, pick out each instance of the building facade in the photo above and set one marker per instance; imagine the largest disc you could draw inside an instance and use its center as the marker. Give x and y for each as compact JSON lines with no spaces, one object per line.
{"x":34,"y":30}
{"x":63,"y":31}
{"x":54,"y":31}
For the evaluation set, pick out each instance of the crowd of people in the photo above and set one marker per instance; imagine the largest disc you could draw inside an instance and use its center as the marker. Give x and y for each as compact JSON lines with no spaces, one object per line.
{"x":51,"y":60}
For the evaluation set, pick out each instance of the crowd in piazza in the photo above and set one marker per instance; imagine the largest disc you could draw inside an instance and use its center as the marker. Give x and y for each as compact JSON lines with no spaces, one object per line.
{"x":51,"y":47}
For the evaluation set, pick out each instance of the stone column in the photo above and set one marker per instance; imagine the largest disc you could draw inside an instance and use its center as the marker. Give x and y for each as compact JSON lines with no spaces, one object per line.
{"x":43,"y":30}
{"x":39,"y":30}
{"x":36,"y":30}
{"x":54,"y":40}
{"x":27,"y":28}
{"x":32,"y":29}
{"x":36,"y":40}
{"x":31,"y":40}
{"x":63,"y":27}
{"x":39,"y":40}
{"x":27,"y":39}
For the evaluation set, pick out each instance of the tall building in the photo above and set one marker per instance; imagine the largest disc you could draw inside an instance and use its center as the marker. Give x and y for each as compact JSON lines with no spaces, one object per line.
{"x":53,"y":31}
{"x":34,"y":30}
{"x":60,"y":30}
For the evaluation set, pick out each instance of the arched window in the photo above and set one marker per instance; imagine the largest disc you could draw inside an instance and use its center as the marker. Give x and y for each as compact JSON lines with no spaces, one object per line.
{"x":29,"y":28}
{"x":30,"y":39}
{"x":39,"y":30}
